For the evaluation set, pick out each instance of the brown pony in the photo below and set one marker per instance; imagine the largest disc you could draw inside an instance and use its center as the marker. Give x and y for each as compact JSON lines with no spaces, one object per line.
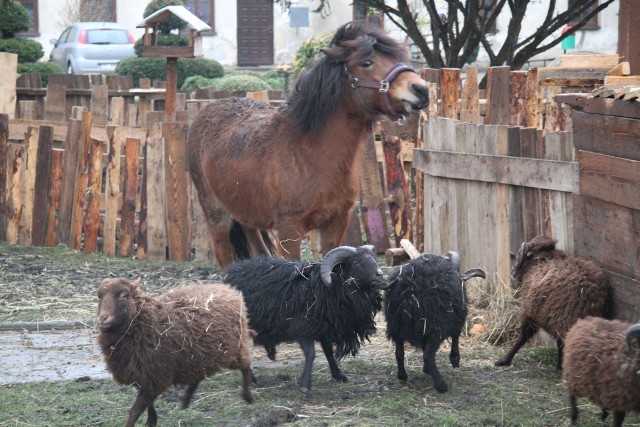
{"x":293,"y":169}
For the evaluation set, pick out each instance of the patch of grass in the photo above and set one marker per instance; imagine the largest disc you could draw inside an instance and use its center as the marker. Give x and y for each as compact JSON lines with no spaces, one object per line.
{"x":528,"y":394}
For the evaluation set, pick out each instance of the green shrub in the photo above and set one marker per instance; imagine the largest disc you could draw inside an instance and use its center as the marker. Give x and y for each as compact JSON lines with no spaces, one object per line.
{"x":163,"y":40}
{"x":44,"y":68}
{"x":155,"y":68}
{"x":244,"y":82}
{"x":27,"y":50}
{"x":276,"y":83}
{"x":170,"y":23}
{"x":198,"y":82}
{"x":309,"y":52}
{"x":14,"y":18}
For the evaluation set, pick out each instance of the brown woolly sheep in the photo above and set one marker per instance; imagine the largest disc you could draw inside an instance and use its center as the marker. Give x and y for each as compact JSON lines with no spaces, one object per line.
{"x":180,"y":338}
{"x":556,"y":290}
{"x":602,"y":365}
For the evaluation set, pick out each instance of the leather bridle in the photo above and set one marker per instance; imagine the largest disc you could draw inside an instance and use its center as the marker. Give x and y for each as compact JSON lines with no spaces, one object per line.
{"x":383,"y":87}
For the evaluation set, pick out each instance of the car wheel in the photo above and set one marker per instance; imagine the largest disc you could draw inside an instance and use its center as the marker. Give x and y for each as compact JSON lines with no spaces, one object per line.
{"x":69,"y":68}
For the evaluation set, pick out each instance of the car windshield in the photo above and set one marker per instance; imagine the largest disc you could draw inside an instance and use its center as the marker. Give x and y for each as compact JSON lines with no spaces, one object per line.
{"x":107,"y":36}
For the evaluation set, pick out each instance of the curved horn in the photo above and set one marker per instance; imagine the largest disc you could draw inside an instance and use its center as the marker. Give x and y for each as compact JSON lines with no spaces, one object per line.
{"x":454,"y":257}
{"x":521,"y":254}
{"x":474,"y":272}
{"x":370,"y":248}
{"x":334,"y":257}
{"x":632,"y":333}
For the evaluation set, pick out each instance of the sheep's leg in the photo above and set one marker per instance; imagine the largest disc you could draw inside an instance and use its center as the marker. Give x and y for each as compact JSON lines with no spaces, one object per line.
{"x":560,"y":344}
{"x":141,"y":403}
{"x":308,"y":348}
{"x":188,"y":394}
{"x":402,"y":373}
{"x":618,"y":418}
{"x":454,"y":354}
{"x":527,"y":331}
{"x":430,"y":368}
{"x":336,"y":373}
{"x":247,"y":375}
{"x":573,"y":409}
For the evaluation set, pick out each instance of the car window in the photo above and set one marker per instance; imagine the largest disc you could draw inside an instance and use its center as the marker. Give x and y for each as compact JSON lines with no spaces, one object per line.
{"x":71,"y":35}
{"x":64,"y":35}
{"x":107,"y":37}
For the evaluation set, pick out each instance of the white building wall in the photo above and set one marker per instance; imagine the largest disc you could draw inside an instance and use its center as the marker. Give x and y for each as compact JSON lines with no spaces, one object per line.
{"x":222,"y":46}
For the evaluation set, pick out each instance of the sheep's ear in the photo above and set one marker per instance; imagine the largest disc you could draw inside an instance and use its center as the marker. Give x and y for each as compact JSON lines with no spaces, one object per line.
{"x":136,"y":283}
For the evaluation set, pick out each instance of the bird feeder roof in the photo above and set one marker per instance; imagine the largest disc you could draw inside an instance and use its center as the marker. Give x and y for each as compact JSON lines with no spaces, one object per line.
{"x":193,"y":22}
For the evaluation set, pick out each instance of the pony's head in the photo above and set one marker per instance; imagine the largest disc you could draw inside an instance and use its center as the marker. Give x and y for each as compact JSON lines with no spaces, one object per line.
{"x":362,"y":71}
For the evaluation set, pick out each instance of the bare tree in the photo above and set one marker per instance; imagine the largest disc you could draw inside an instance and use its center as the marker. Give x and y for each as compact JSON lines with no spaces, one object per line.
{"x":83,"y":11}
{"x":455,"y":32}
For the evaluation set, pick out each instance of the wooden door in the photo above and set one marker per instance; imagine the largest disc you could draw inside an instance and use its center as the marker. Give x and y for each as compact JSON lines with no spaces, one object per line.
{"x":255,"y":32}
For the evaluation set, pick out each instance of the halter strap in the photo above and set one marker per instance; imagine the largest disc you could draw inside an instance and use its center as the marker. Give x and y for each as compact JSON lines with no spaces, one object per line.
{"x":383,"y":87}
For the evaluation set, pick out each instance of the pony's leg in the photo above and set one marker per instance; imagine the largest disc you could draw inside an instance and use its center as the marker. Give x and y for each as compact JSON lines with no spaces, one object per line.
{"x":256,"y":242}
{"x":331,"y":234}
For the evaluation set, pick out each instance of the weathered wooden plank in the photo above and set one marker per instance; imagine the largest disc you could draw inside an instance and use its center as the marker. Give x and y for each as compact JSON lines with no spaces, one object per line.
{"x":608,"y":233}
{"x":612,"y":179}
{"x":517,"y":110}
{"x":116,"y":111}
{"x":56,"y":102}
{"x":533,"y":101}
{"x":177,"y":199}
{"x":626,"y":293}
{"x":72,"y":147}
{"x":502,"y":247}
{"x":558,"y":146}
{"x":450,"y":89}
{"x":595,"y":60}
{"x":372,"y":200}
{"x":614,"y":136}
{"x":112,"y":190}
{"x":554,"y":119}
{"x":203,"y":242}
{"x":141,"y":231}
{"x":8,"y":69}
{"x":31,"y":161}
{"x":80,"y":182}
{"x":55,"y":187}
{"x":129,"y":191}
{"x":612,"y":107}
{"x":91,"y":222}
{"x":399,"y":197}
{"x":4,"y":147}
{"x":14,"y":194}
{"x":580,"y":77}
{"x":464,"y":235}
{"x":516,"y":198}
{"x":535,"y":202}
{"x":535,"y":173}
{"x":41,"y":188}
{"x":100,"y":104}
{"x":498,"y":80}
{"x":469,"y":98}
{"x":156,"y":223}
{"x":28,"y":110}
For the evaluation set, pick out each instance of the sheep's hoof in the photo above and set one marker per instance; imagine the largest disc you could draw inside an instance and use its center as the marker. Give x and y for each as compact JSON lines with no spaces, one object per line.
{"x":340,"y":377}
{"x":502,"y":363}
{"x":402,"y":377}
{"x":305,"y":390}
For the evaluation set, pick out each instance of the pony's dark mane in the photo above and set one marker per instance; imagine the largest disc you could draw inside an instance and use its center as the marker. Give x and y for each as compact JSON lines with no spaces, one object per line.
{"x":319,"y":90}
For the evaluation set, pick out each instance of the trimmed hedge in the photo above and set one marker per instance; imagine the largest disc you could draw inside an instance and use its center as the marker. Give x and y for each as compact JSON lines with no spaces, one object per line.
{"x":14,"y":17}
{"x":155,"y":68}
{"x":27,"y":50}
{"x":244,"y":82}
{"x":44,"y":68}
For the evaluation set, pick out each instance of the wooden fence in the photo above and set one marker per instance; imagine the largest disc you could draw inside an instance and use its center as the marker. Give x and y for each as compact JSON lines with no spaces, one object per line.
{"x":500,"y":171}
{"x":97,"y":156}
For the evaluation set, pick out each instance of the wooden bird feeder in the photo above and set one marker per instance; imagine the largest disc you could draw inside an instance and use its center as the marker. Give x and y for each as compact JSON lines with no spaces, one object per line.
{"x":172,"y":53}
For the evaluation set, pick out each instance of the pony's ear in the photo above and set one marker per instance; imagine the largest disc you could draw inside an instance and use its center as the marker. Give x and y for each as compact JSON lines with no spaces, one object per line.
{"x":333,"y":54}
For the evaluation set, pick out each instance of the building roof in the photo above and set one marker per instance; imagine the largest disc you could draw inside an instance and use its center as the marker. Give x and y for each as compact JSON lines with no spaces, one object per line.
{"x":181,"y":12}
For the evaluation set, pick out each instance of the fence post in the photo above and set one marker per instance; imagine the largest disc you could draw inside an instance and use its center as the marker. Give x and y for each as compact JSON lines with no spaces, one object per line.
{"x":91,"y":223}
{"x":41,"y":185}
{"x":129,"y":191}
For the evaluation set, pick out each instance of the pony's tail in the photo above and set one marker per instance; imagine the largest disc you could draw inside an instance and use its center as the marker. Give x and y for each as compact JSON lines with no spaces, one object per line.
{"x":241,"y":245}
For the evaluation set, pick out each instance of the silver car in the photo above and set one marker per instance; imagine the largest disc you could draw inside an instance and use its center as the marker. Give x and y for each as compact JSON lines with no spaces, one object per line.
{"x":92,"y":47}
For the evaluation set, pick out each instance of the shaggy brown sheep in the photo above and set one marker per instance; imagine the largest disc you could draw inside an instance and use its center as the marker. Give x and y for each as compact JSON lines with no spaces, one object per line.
{"x":602,"y":365}
{"x":180,"y":338}
{"x":556,"y":290}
